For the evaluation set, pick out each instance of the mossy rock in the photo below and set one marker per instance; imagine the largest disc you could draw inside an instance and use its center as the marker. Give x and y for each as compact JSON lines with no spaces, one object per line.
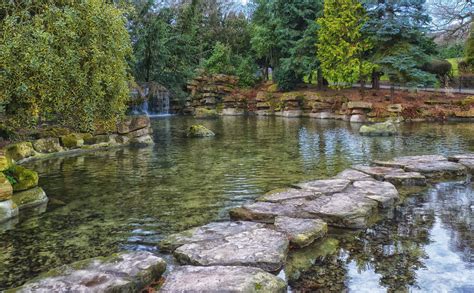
{"x":30,"y":198}
{"x":199,"y":131}
{"x":469,"y":101}
{"x":379,"y":129}
{"x":205,"y":113}
{"x":20,"y":151}
{"x":5,"y":162}
{"x":8,"y":210}
{"x":25,"y":178}
{"x":6,"y":189}
{"x":72,"y":141}
{"x":47,"y":145}
{"x":53,"y":132}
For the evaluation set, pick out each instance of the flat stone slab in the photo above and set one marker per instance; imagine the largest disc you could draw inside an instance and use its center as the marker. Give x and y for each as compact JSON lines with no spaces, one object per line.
{"x":261,"y":248}
{"x":469,"y":164}
{"x":30,"y":198}
{"x":8,"y":210}
{"x":301,"y":232}
{"x":292,"y":193}
{"x":327,"y":186}
{"x":222,"y":279}
{"x":384,"y":193}
{"x":207,"y":232}
{"x":353,"y":175}
{"x":377,"y":172}
{"x":395,"y":176}
{"x":457,"y":158}
{"x":266,"y":212}
{"x":124,"y":272}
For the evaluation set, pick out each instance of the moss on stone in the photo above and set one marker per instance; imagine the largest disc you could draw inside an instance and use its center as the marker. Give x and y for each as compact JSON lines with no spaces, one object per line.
{"x":6,"y":189}
{"x":30,"y":197}
{"x":72,"y":141}
{"x":20,"y":151}
{"x":199,"y":131}
{"x":25,"y":178}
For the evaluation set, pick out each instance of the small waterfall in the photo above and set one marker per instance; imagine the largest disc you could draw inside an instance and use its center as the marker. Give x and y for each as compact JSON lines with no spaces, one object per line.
{"x":156,"y":100}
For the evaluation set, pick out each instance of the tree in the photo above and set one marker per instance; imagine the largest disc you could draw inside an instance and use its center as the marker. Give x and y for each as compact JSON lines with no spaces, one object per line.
{"x":451,"y":18}
{"x":341,"y":46}
{"x":397,"y":30}
{"x":64,"y":61}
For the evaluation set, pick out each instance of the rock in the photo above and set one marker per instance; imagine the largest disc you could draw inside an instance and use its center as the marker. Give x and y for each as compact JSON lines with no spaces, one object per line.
{"x":301,"y":232}
{"x":108,"y":139}
{"x":199,"y":131}
{"x":323,"y":115}
{"x":133,"y":123}
{"x":432,"y":166}
{"x":233,"y":112}
{"x":72,"y":141}
{"x":6,"y":189}
{"x":406,"y":179}
{"x":47,"y":145}
{"x":20,"y":151}
{"x":359,"y":105}
{"x":122,"y":139}
{"x":30,"y":198}
{"x":222,"y":279}
{"x":377,"y":172}
{"x":266,"y":212}
{"x":5,"y":162}
{"x":123,"y":272}
{"x":139,"y":133}
{"x":262,"y":248}
{"x":345,"y":209}
{"x":469,"y":164}
{"x":457,"y":158}
{"x":395,"y":108}
{"x":382,"y":192}
{"x":379,"y":129}
{"x":325,"y":186}
{"x":292,"y":113}
{"x":282,"y":195}
{"x":353,"y":175}
{"x":142,"y":141}
{"x":358,"y":118}
{"x":464,"y":114}
{"x":211,"y":231}
{"x":8,"y":210}
{"x":25,"y":178}
{"x":203,"y":113}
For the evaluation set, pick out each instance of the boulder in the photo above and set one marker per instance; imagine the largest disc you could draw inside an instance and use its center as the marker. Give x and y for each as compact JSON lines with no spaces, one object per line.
{"x":287,"y":194}
{"x":106,"y":139}
{"x":379,"y":129}
{"x":6,"y":189}
{"x":203,"y":113}
{"x":139,"y":133}
{"x":327,"y":186}
{"x":5,"y":162}
{"x":211,"y":231}
{"x":222,"y":279}
{"x":20,"y":151}
{"x":199,"y":131}
{"x":358,"y":118}
{"x":30,"y":198}
{"x":133,"y":123}
{"x":122,"y":272}
{"x":359,"y":105}
{"x":47,"y":145}
{"x":8,"y":210}
{"x":301,"y":232}
{"x":262,"y":248}
{"x":72,"y":141}
{"x":25,"y":178}
{"x":142,"y":141}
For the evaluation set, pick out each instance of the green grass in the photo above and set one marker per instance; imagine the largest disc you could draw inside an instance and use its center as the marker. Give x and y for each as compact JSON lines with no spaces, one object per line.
{"x":454,"y":62}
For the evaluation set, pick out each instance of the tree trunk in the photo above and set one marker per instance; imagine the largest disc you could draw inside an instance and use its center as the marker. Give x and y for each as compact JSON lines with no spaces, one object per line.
{"x":320,"y":79}
{"x":375,"y":80}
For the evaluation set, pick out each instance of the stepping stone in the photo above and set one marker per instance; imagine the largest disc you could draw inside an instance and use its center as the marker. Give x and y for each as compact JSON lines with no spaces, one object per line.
{"x":406,"y":179}
{"x":211,"y":231}
{"x":384,"y":193}
{"x":280,"y":196}
{"x":457,"y":158}
{"x":30,"y":198}
{"x":123,"y":272}
{"x":222,"y":279}
{"x":266,"y":212}
{"x":469,"y":164}
{"x":261,"y":248}
{"x":347,"y":209}
{"x":301,"y":232}
{"x":377,"y":172}
{"x":353,"y":175}
{"x":325,"y":186}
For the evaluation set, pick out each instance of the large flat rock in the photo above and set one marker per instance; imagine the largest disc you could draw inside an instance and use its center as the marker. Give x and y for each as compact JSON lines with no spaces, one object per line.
{"x":292,"y":193}
{"x":222,"y":279}
{"x":469,"y":164}
{"x":261,"y":248}
{"x":301,"y":232}
{"x":327,"y":186}
{"x":467,"y":160}
{"x":377,"y":172}
{"x":124,"y":272}
{"x":8,"y":210}
{"x":207,"y":232}
{"x":266,"y":212}
{"x":353,"y":175}
{"x":384,"y":193}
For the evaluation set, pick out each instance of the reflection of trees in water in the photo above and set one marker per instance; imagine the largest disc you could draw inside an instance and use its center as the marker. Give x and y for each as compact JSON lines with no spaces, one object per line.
{"x":393,"y":248}
{"x":452,"y":202}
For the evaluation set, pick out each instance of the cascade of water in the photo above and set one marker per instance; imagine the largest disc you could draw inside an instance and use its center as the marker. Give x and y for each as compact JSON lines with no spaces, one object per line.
{"x":156,"y":101}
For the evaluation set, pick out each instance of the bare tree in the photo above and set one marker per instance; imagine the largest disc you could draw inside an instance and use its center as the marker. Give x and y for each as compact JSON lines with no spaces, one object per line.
{"x":451,"y":18}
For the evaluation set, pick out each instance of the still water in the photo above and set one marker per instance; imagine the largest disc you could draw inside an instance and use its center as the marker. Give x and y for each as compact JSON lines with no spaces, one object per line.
{"x":128,"y":199}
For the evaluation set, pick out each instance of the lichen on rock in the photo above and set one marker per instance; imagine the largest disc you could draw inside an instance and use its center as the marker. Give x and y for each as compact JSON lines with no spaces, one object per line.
{"x":199,"y":131}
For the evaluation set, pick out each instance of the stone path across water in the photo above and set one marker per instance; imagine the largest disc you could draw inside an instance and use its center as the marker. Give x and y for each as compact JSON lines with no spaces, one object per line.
{"x":239,"y":255}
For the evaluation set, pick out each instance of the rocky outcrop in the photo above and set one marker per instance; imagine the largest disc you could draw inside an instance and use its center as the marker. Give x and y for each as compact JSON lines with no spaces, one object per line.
{"x":261,"y":248}
{"x":234,"y":105}
{"x":222,"y":279}
{"x":133,"y":123}
{"x":124,"y":272}
{"x":387,"y":128}
{"x":199,"y":131}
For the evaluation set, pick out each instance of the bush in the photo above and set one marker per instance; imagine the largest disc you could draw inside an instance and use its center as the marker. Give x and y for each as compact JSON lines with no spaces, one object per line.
{"x":220,"y":60}
{"x":246,"y":72}
{"x":64,"y":62}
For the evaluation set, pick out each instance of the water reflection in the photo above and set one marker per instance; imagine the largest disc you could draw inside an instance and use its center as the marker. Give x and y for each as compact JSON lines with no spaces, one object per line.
{"x":130,"y":198}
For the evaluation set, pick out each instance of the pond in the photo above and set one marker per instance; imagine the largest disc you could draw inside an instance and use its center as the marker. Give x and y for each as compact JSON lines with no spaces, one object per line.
{"x":128,"y":199}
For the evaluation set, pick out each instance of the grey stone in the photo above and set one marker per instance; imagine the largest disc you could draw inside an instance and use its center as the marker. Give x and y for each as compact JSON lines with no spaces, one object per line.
{"x":266,"y":212}
{"x":379,"y":129}
{"x":282,"y":195}
{"x":457,"y":158}
{"x":211,"y":231}
{"x":262,"y":248}
{"x":377,"y":172}
{"x":142,"y":141}
{"x":325,"y":186}
{"x":133,"y":123}
{"x":222,"y":279}
{"x":139,"y":133}
{"x":382,"y":192}
{"x":292,"y":113}
{"x":199,"y":131}
{"x":469,"y":164}
{"x":353,"y":175}
{"x":8,"y":210}
{"x":30,"y":198}
{"x":233,"y":112}
{"x":358,"y":118}
{"x":124,"y":272}
{"x":47,"y":145}
{"x":406,"y":179}
{"x":301,"y":232}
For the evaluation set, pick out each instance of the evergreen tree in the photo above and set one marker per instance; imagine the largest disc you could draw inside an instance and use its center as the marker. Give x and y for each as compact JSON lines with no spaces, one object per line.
{"x":341,"y":46}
